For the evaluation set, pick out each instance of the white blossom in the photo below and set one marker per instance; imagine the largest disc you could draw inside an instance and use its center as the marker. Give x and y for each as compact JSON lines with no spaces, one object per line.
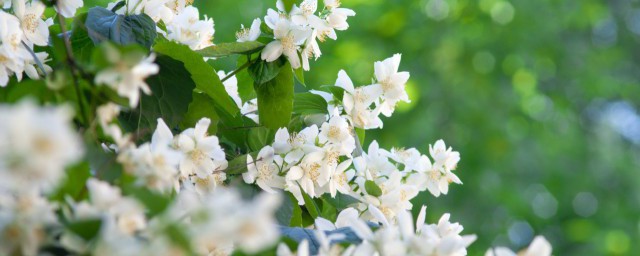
{"x":249,"y":34}
{"x":392,"y":83}
{"x":67,"y":8}
{"x":127,"y":78}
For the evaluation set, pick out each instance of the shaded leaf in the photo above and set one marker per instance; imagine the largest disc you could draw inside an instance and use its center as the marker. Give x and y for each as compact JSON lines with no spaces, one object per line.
{"x":262,"y":71}
{"x":86,"y":229}
{"x":103,"y":24}
{"x":308,"y":103}
{"x":275,"y":99}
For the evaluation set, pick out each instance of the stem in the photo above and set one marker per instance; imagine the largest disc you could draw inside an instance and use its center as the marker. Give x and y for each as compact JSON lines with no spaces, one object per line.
{"x":35,"y":59}
{"x":246,"y":65}
{"x":72,"y":66}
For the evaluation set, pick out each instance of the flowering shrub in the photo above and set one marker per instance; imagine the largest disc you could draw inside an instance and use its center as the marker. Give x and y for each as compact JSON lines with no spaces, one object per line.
{"x":125,"y":140}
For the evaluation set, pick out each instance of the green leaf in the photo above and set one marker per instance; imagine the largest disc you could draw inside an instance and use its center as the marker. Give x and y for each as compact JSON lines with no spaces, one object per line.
{"x":310,"y":205}
{"x":275,"y":99}
{"x":329,"y":212}
{"x":372,"y":188}
{"x":299,"y":74}
{"x":226,"y":49}
{"x":86,"y":229}
{"x":103,"y":24}
{"x":202,"y":74}
{"x":201,"y":106}
{"x":308,"y":103}
{"x":81,"y":43}
{"x":245,"y":82}
{"x":16,"y":91}
{"x":361,"y":134}
{"x":296,"y":216}
{"x":338,"y":92}
{"x":74,"y":183}
{"x":262,"y":71}
{"x":285,"y":211}
{"x":179,"y":237}
{"x":154,"y":203}
{"x":259,"y":137}
{"x":171,"y":93}
{"x":341,"y":201}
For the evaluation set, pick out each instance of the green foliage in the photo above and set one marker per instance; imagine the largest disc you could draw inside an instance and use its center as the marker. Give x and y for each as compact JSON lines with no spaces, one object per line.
{"x":73,"y":185}
{"x":103,"y":24}
{"x":85,"y":229}
{"x":310,"y":205}
{"x":372,"y":188}
{"x":171,"y":91}
{"x":203,"y":75}
{"x":340,"y":201}
{"x":154,"y":202}
{"x":275,"y":99}
{"x":201,"y":106}
{"x":226,"y":49}
{"x":308,"y":103}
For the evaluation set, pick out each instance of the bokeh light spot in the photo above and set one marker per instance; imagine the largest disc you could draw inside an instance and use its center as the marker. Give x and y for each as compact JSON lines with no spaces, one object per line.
{"x":502,"y":12}
{"x":585,"y":204}
{"x":617,"y":242}
{"x":484,"y":62}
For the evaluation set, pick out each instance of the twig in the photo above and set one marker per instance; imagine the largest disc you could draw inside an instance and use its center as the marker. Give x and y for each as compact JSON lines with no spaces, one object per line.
{"x":246,"y":65}
{"x":72,"y":65}
{"x":35,"y":59}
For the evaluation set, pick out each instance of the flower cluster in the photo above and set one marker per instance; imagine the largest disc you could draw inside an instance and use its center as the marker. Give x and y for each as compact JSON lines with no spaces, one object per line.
{"x":212,"y":223}
{"x":21,"y":28}
{"x":298,"y":31}
{"x":363,"y":104}
{"x":36,"y":144}
{"x":181,"y":20}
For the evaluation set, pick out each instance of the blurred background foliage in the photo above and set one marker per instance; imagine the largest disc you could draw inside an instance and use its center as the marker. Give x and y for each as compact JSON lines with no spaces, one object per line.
{"x":540,"y":97}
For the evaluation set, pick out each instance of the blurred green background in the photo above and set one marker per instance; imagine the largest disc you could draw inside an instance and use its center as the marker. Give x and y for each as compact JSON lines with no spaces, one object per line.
{"x":540,"y":98}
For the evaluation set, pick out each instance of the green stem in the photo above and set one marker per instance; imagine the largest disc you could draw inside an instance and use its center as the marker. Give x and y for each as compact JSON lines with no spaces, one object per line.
{"x":246,"y":65}
{"x":72,"y":65}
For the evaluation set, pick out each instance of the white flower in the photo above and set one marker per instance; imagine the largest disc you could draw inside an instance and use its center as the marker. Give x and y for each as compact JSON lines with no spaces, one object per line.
{"x":311,"y":49}
{"x":374,"y":162}
{"x":300,"y":15}
{"x":187,"y":28}
{"x":337,"y":17}
{"x":203,"y":154}
{"x":357,"y":102}
{"x":67,"y":8}
{"x":127,"y":78}
{"x":444,"y":157}
{"x":23,"y":220}
{"x":107,"y":113}
{"x":249,"y":34}
{"x":36,"y":144}
{"x":295,"y":145}
{"x":303,"y":249}
{"x":264,"y":170}
{"x":288,"y":39}
{"x":35,"y":29}
{"x":538,"y":247}
{"x":311,"y":173}
{"x":30,"y":65}
{"x":345,"y":219}
{"x":339,"y":179}
{"x":337,"y":132}
{"x":392,"y":83}
{"x":231,"y":86}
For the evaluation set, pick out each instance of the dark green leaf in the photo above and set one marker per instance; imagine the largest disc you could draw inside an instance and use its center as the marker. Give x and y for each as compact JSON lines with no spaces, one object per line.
{"x":201,"y":106}
{"x":296,"y":216}
{"x":226,"y":49}
{"x":275,"y":99}
{"x":372,"y":188}
{"x":103,"y":24}
{"x":299,"y":74}
{"x":81,"y":43}
{"x":86,"y":229}
{"x":338,"y":92}
{"x":341,"y":201}
{"x":171,"y":93}
{"x":285,"y":211}
{"x":154,"y":203}
{"x":308,"y":103}
{"x":202,"y":74}
{"x":245,"y":82}
{"x":262,"y":71}
{"x":73,"y":185}
{"x":329,"y":212}
{"x":259,"y":137}
{"x":361,"y":135}
{"x":310,"y":205}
